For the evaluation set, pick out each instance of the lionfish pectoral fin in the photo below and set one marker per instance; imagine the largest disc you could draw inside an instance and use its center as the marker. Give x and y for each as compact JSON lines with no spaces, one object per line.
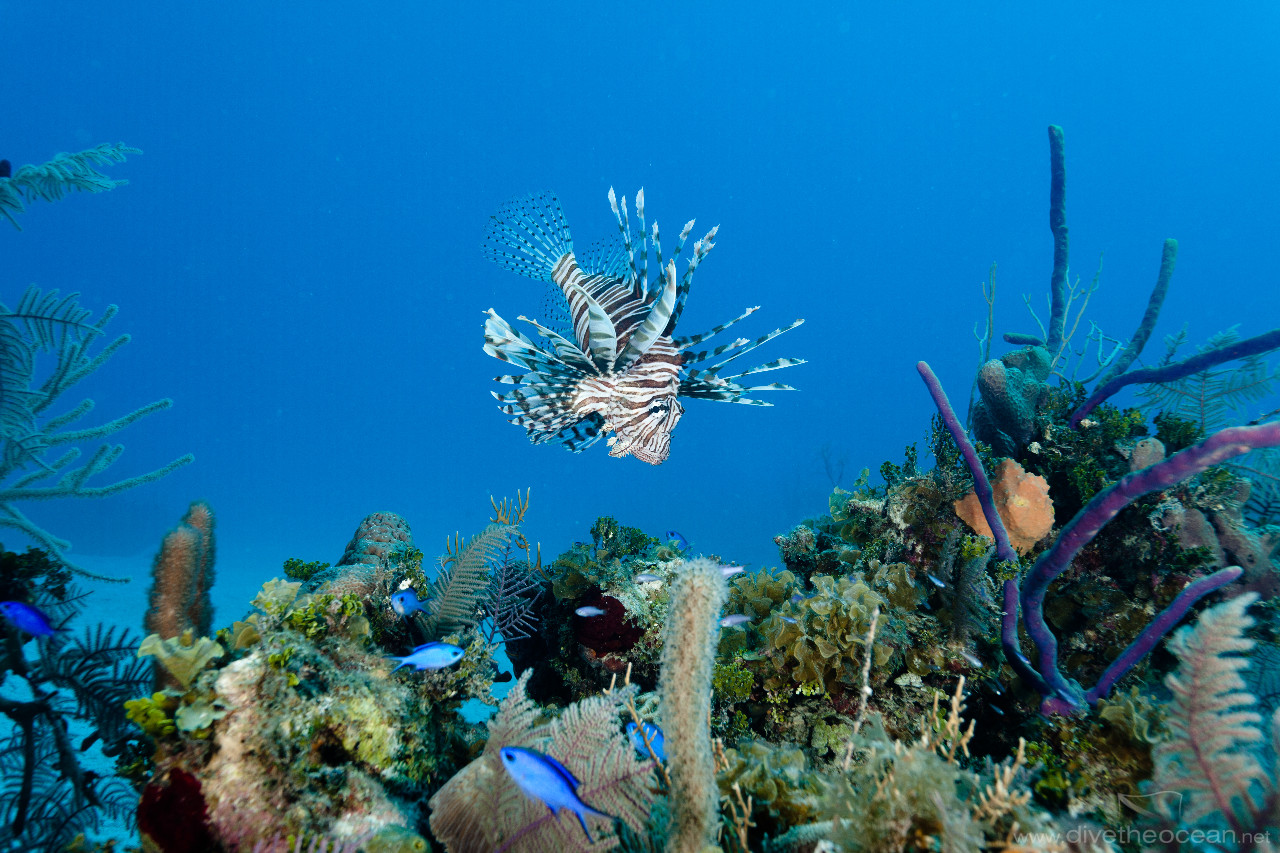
{"x":655,"y":323}
{"x":529,"y":235}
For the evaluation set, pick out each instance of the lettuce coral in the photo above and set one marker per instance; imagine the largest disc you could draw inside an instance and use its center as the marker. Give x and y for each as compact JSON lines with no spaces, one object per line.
{"x":824,"y":642}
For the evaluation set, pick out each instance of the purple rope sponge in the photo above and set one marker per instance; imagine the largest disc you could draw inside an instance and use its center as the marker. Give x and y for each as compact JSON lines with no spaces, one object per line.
{"x":1066,"y":695}
{"x":981,"y":485}
{"x":1256,"y":345}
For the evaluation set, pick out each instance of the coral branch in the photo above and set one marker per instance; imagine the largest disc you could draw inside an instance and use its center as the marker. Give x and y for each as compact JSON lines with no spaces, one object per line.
{"x":1066,"y":695}
{"x":981,"y":485}
{"x":1257,"y":345}
{"x":1058,"y":225}
{"x":1127,"y":356}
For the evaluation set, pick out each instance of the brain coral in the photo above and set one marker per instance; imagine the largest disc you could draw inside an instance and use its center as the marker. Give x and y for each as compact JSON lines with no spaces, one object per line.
{"x":1023,"y":502}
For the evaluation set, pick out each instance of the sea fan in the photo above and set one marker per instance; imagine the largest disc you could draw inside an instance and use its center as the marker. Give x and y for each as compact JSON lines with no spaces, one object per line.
{"x":459,"y":591}
{"x":482,"y":809}
{"x":512,"y":593}
{"x":1208,"y":756}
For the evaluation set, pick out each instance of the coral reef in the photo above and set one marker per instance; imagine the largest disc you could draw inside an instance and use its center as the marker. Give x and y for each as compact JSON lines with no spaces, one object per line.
{"x":365,"y":561}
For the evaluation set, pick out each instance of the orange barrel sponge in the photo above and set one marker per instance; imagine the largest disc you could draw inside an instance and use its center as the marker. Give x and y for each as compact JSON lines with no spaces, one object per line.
{"x":1023,"y":502}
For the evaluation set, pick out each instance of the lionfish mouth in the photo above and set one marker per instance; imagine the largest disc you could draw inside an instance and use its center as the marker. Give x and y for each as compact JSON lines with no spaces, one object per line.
{"x":607,"y":360}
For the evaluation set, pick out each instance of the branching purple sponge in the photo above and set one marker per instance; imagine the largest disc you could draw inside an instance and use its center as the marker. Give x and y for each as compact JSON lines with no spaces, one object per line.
{"x":1066,"y":695}
{"x":1062,"y":695}
{"x":1256,"y":345}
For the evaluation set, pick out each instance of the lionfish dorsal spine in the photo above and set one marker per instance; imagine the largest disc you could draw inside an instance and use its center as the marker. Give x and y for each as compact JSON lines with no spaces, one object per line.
{"x":654,"y":324}
{"x":657,"y":247}
{"x":700,"y":250}
{"x":643,"y":280}
{"x":599,"y":337}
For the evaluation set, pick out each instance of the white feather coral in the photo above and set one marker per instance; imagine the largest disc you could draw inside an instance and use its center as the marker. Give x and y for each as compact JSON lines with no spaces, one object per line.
{"x":1208,"y":756}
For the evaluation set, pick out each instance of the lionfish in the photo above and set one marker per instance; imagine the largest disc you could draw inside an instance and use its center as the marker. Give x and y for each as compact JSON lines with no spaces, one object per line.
{"x":610,"y":364}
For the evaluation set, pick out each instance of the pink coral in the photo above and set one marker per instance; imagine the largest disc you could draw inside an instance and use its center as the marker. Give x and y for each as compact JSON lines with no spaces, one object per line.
{"x":1023,"y":502}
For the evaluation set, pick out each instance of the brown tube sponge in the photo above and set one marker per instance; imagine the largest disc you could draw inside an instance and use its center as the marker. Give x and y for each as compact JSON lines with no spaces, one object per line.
{"x":689,"y":645}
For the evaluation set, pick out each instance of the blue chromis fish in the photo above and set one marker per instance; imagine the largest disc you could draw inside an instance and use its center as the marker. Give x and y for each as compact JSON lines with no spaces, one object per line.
{"x":430,"y":656}
{"x":588,"y":611}
{"x":653,"y":733}
{"x":542,"y":777}
{"x":734,"y":620}
{"x":648,"y":577}
{"x":406,"y":602}
{"x":27,"y":618}
{"x":681,"y":542}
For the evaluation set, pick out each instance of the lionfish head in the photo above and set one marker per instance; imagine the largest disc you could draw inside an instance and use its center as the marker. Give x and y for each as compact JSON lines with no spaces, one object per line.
{"x":647,"y":434}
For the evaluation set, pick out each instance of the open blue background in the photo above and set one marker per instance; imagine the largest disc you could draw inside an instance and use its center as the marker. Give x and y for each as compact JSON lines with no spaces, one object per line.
{"x":297,"y":254}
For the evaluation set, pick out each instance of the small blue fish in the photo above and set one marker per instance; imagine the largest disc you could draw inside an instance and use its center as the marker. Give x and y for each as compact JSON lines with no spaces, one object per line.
{"x":734,"y":619}
{"x":646,"y":577}
{"x":589,"y":611}
{"x":656,"y":741}
{"x":430,"y":656}
{"x":543,"y":778}
{"x":730,"y":571}
{"x":790,"y":620}
{"x":938,"y":582}
{"x":406,"y":602}
{"x":681,"y":542}
{"x":27,"y":618}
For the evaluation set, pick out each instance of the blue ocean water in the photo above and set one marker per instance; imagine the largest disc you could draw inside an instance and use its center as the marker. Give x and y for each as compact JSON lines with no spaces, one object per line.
{"x":297,"y":253}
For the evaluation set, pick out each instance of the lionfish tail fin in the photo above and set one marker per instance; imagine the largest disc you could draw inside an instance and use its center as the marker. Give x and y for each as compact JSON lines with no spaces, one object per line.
{"x":528,"y":235}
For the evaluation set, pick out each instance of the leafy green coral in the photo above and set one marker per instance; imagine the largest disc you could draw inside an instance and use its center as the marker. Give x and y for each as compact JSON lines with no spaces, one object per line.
{"x":823,"y":644}
{"x":783,"y":791}
{"x":154,"y":714}
{"x":298,"y":570}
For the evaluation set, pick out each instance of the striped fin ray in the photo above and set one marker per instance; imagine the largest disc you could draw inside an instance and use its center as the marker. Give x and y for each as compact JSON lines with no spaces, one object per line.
{"x":607,"y":258}
{"x":503,"y":342}
{"x":657,"y":246}
{"x":545,"y":417}
{"x":593,"y":327}
{"x":695,"y":357}
{"x":566,"y":350}
{"x":763,"y":339}
{"x":701,"y":386}
{"x":528,"y":235}
{"x":624,"y":226}
{"x":700,"y":250}
{"x":654,"y":325}
{"x":642,"y":281}
{"x":691,"y":340}
{"x":776,"y":364}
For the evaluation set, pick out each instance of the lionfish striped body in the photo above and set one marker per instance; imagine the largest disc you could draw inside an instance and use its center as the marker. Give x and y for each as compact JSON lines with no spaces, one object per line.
{"x":612,"y":366}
